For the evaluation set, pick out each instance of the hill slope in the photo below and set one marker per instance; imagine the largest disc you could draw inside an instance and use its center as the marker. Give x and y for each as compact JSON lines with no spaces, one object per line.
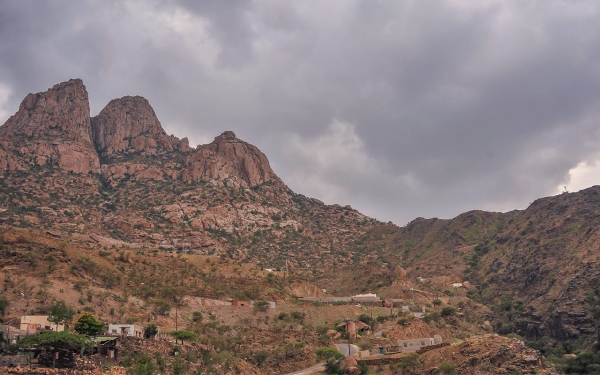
{"x":119,"y":176}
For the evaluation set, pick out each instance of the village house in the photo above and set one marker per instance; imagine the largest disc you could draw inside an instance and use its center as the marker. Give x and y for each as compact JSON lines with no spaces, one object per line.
{"x":106,"y":346}
{"x":131,"y":330}
{"x":416,"y":344}
{"x":32,"y":323}
{"x":12,"y":334}
{"x":363,"y":299}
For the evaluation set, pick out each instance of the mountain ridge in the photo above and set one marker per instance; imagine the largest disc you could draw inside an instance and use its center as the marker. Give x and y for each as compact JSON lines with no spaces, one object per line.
{"x":118,"y":175}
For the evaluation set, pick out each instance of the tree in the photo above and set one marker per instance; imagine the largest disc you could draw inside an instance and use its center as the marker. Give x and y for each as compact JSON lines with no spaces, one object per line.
{"x":3,"y":305}
{"x":55,"y":342}
{"x":88,"y":325}
{"x":446,"y":368}
{"x":410,"y":361}
{"x":151,"y":330}
{"x":197,"y":316}
{"x":261,"y":356}
{"x":448,"y":310}
{"x":327,"y":353}
{"x":59,"y":340}
{"x":143,"y":365}
{"x":161,"y":307}
{"x":183,"y":335}
{"x":60,"y":313}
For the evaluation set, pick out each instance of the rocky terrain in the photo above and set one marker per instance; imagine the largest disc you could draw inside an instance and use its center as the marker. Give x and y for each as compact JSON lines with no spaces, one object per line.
{"x":118,"y":186}
{"x":119,"y":175}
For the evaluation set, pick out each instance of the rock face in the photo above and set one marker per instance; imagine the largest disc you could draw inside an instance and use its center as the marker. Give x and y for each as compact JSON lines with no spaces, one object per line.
{"x":52,"y":127}
{"x":129,"y":125}
{"x":228,"y":157}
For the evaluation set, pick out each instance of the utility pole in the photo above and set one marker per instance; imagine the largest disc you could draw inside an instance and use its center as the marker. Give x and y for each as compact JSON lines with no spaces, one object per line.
{"x":348,"y":333}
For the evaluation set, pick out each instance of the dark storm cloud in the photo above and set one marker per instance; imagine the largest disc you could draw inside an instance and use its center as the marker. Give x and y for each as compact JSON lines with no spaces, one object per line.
{"x":399,"y":108}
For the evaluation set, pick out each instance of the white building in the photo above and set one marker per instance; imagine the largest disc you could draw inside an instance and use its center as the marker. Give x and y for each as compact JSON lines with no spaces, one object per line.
{"x":131,"y":330}
{"x":416,"y":344}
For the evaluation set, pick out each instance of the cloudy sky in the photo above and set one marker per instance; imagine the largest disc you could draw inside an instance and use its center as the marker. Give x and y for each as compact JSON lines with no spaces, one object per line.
{"x":398,"y":108}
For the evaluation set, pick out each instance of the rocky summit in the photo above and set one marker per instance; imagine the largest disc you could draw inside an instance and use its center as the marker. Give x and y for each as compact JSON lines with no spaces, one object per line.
{"x":128,"y":126}
{"x":51,"y":128}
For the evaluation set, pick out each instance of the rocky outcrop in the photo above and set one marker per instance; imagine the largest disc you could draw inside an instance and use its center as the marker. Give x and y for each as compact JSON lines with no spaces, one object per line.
{"x":228,"y":157}
{"x":129,"y":125}
{"x":10,"y":162}
{"x":53,"y":128}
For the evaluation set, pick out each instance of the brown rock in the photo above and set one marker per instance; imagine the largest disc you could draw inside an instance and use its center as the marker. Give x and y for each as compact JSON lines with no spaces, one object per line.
{"x":129,"y":125}
{"x":10,"y":162}
{"x":151,"y":173}
{"x":228,"y":157}
{"x":52,"y":127}
{"x":400,"y":272}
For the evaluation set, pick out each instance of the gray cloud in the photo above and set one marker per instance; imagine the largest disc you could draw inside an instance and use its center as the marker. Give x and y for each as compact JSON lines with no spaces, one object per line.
{"x":399,"y":108}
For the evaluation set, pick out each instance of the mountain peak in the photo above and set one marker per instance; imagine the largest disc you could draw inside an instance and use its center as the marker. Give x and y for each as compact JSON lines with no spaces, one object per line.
{"x":130,"y":125}
{"x":225,"y":136}
{"x":53,"y":127}
{"x":226,"y":157}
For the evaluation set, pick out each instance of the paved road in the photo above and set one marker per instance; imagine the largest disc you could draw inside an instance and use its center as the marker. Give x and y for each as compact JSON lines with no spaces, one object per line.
{"x":344,"y":349}
{"x":310,"y":370}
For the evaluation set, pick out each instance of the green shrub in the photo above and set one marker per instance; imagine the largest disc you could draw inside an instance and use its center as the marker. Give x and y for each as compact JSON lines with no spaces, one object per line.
{"x":151,"y":330}
{"x":197,"y":316}
{"x":506,"y":328}
{"x":298,"y":316}
{"x":448,"y":310}
{"x":327,"y":353}
{"x":261,"y":306}
{"x":446,"y":368}
{"x":260,"y":357}
{"x":283,"y":316}
{"x":432,"y":316}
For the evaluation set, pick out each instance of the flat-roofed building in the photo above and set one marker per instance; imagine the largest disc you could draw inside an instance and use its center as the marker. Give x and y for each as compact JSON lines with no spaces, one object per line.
{"x":34,"y":323}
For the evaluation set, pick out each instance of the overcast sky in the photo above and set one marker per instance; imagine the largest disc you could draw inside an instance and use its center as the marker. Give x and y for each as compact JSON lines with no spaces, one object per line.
{"x":398,"y":108}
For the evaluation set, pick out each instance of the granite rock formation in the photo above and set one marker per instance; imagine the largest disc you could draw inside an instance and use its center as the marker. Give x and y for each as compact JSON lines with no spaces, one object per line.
{"x":228,"y":157}
{"x":129,"y":125}
{"x":52,"y":128}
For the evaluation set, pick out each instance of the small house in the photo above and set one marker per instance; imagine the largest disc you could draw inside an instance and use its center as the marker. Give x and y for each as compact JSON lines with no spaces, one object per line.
{"x":416,"y":344}
{"x":33,"y":323}
{"x":131,"y":330}
{"x":106,"y":346}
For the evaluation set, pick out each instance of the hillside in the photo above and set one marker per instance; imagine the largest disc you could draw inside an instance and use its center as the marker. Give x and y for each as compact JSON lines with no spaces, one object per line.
{"x":119,"y":175}
{"x":537,"y":268}
{"x":95,"y":201}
